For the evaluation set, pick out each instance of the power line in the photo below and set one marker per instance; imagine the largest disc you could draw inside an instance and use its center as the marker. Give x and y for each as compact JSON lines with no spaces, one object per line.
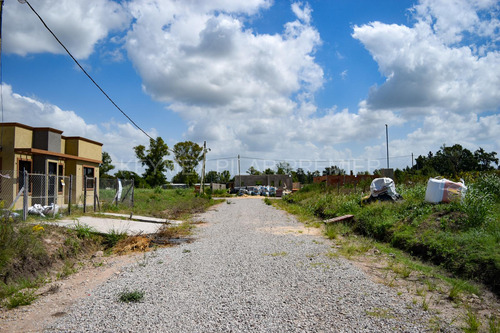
{"x":83,"y":70}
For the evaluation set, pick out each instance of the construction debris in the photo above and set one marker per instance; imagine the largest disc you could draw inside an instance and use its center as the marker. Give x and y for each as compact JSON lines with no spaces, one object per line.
{"x":444,"y":190}
{"x":38,"y":209}
{"x":382,"y":189}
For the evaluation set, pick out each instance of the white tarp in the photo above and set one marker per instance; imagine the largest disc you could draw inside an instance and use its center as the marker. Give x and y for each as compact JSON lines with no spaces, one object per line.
{"x":38,"y":209}
{"x":380,"y":186}
{"x":444,"y":190}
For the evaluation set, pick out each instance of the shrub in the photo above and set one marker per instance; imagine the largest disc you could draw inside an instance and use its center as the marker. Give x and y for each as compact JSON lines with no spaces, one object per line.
{"x":20,"y":298}
{"x":489,"y":183}
{"x":131,"y":296}
{"x":476,"y":205}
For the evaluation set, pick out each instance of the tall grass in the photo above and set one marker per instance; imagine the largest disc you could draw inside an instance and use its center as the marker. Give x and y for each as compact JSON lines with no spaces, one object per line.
{"x":169,"y":203}
{"x":462,"y":237}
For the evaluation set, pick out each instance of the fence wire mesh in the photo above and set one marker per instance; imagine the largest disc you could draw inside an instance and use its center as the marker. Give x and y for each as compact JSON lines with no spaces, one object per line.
{"x":9,"y":188}
{"x":116,"y":191}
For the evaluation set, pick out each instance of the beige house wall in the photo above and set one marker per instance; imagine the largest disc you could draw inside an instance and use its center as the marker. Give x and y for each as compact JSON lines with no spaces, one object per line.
{"x":23,"y":137}
{"x":75,"y":154}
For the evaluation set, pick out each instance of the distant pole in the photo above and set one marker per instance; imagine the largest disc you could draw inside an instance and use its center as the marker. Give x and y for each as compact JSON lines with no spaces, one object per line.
{"x":412,"y":160}
{"x":202,"y":185}
{"x":239,"y":171}
{"x":387,"y":144}
{"x":1,"y":11}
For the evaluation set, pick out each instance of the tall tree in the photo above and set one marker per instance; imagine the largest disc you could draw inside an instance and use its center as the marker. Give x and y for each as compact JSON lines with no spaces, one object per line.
{"x":105,"y":166}
{"x":186,"y":178}
{"x":138,"y":180}
{"x":188,"y":155}
{"x":153,"y":159}
{"x":269,"y":171}
{"x":333,"y":170}
{"x":283,"y":168}
{"x":300,"y":176}
{"x":253,"y":171}
{"x":224,"y":177}
{"x":212,"y":177}
{"x":485,"y":159}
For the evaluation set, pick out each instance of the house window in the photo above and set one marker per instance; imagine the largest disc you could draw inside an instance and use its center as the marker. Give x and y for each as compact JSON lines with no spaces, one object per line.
{"x":88,"y":177}
{"x":60,"y":173}
{"x":23,"y":165}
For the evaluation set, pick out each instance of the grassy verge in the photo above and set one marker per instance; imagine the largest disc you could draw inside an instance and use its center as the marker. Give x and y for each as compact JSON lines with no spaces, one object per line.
{"x":462,"y":237}
{"x":169,"y":203}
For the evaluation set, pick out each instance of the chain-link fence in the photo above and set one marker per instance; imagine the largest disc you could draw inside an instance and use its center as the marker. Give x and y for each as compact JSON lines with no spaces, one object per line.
{"x":48,"y":194}
{"x":35,"y":193}
{"x":116,"y":191}
{"x":9,"y":189}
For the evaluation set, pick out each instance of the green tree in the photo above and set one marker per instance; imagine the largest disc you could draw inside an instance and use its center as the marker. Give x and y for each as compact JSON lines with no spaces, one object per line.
{"x":138,"y":180}
{"x":283,"y":168}
{"x":300,"y":176}
{"x":311,"y":175}
{"x":485,"y":159}
{"x":224,"y":177}
{"x":253,"y":171}
{"x":451,"y":160}
{"x":153,"y":159}
{"x":188,"y":155}
{"x":105,"y":166}
{"x":186,"y":178}
{"x":333,"y":170}
{"x":212,"y":177}
{"x":269,"y":171}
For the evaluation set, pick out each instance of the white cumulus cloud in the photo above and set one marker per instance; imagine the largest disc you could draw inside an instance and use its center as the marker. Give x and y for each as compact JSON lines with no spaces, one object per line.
{"x":78,"y":24}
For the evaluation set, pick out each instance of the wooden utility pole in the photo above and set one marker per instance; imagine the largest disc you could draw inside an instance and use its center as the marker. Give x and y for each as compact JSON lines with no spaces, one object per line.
{"x":387,"y":144}
{"x":239,"y":171}
{"x":1,"y":11}
{"x":202,"y":185}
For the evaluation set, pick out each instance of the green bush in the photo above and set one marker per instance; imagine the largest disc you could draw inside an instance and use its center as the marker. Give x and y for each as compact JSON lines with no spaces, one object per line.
{"x":489,"y":183}
{"x":131,"y":296}
{"x":477,"y":205}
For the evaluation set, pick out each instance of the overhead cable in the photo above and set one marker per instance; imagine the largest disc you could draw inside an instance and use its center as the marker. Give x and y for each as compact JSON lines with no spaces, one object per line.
{"x":84,"y":71}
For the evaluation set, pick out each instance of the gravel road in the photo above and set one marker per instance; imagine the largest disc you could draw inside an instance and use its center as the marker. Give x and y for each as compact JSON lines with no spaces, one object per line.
{"x":252,"y":268}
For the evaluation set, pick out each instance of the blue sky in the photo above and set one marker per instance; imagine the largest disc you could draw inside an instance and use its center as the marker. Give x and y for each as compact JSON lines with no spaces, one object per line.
{"x":312,"y":83}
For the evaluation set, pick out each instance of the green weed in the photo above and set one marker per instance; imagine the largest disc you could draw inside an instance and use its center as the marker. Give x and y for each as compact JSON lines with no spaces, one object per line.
{"x":472,"y":322}
{"x":381,"y":313}
{"x":113,"y":237}
{"x":493,"y":324}
{"x":276,"y":254}
{"x":20,"y":298}
{"x":84,"y":231}
{"x":131,"y":296}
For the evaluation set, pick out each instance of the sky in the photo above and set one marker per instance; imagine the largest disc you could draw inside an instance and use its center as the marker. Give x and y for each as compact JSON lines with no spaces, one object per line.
{"x":312,"y":83}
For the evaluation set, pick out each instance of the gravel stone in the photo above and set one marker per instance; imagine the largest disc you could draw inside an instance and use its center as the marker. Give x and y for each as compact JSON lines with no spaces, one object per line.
{"x":244,"y":274}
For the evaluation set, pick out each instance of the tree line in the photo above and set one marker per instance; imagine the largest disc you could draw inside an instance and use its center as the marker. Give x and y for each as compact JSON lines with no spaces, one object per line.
{"x":447,"y":161}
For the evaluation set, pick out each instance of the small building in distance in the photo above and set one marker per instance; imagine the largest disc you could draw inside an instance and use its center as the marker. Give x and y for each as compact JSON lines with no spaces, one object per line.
{"x":281,"y":182}
{"x":45,"y":151}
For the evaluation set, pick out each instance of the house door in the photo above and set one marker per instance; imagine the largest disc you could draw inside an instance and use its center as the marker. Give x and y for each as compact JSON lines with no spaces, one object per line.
{"x":52,"y":190}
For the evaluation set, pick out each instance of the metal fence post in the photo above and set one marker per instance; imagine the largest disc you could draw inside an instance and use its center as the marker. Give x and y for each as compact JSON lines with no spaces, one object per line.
{"x":25,"y":197}
{"x":95,"y":193}
{"x":70,"y":193}
{"x":132,"y":194}
{"x":56,"y":193}
{"x":84,"y":194}
{"x":117,"y":190}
